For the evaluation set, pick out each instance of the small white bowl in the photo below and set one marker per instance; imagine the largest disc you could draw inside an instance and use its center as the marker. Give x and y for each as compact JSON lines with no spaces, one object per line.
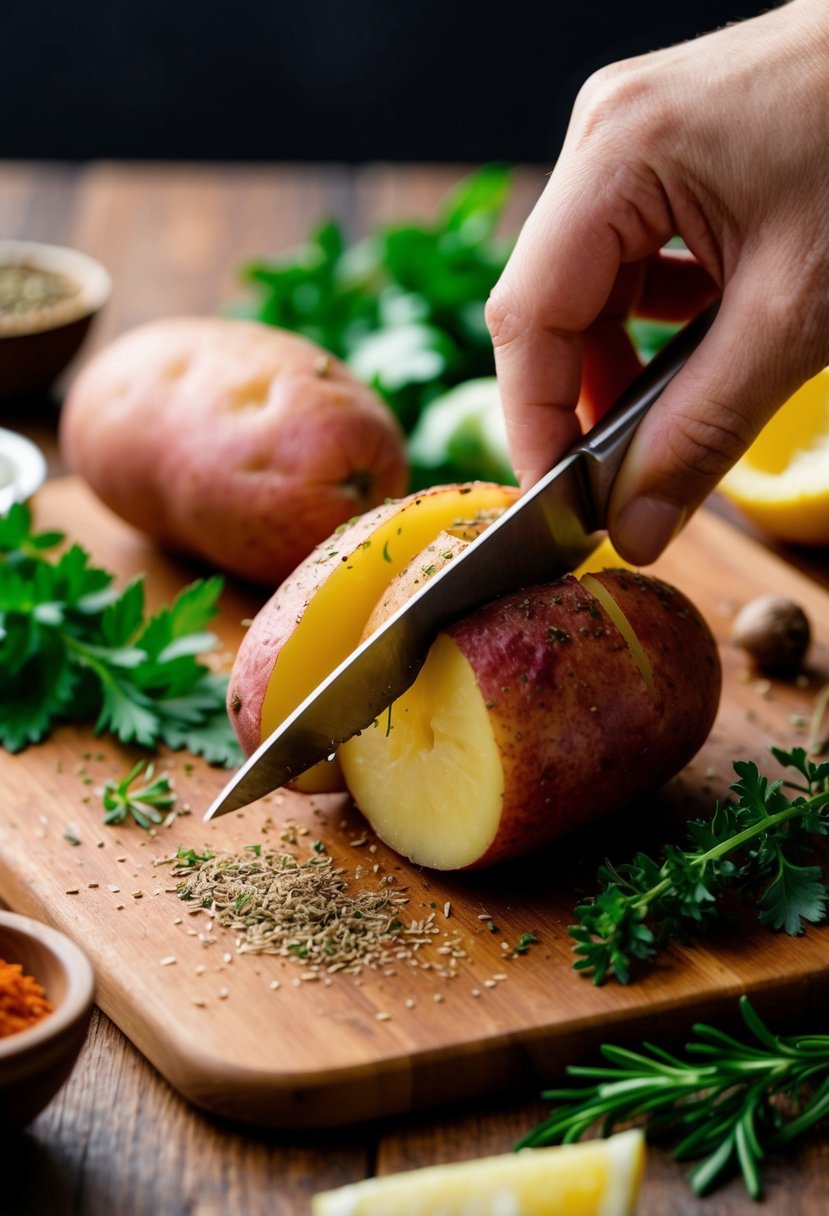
{"x":22,"y":468}
{"x":37,"y":346}
{"x":35,"y":1062}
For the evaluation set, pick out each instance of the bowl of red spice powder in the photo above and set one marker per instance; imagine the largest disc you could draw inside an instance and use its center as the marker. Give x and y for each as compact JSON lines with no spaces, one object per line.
{"x":47,"y":990}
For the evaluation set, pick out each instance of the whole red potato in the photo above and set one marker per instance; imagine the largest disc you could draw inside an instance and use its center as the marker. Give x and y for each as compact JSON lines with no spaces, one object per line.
{"x":236,"y":442}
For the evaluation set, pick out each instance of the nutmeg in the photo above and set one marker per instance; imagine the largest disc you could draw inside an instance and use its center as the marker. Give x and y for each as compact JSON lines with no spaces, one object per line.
{"x":774,"y":631}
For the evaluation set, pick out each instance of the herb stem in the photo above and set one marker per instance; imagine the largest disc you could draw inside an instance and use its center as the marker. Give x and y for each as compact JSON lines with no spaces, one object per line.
{"x":725,"y":1114}
{"x":758,"y":842}
{"x":699,"y":861}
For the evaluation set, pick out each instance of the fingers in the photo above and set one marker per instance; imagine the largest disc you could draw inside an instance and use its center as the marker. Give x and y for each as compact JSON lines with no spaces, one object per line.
{"x":703,"y":422}
{"x":539,"y":373}
{"x":557,"y":323}
{"x":675,"y":287}
{"x":560,"y":276}
{"x":610,"y":365}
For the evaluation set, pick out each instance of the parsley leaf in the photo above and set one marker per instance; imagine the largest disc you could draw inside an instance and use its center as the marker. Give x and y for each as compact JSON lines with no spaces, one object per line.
{"x":756,"y":842}
{"x":797,"y":893}
{"x":73,"y":647}
{"x":403,"y":307}
{"x":144,"y":803}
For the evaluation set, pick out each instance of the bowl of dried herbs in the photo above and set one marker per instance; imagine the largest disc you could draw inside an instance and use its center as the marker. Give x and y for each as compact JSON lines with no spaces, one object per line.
{"x":47,"y":990}
{"x":49,"y":295}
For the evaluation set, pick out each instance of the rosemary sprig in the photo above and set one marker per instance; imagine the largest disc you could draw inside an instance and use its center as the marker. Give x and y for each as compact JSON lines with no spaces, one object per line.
{"x":144,"y":803}
{"x":757,"y":843}
{"x":729,"y":1104}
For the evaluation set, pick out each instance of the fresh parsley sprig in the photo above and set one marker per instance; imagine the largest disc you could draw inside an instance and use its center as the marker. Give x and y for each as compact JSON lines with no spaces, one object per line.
{"x":73,"y":647}
{"x":730,"y":1103}
{"x":758,"y":842}
{"x":405,"y":306}
{"x":144,"y":803}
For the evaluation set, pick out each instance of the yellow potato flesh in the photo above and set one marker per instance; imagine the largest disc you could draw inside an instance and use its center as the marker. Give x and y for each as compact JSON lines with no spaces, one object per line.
{"x":333,"y":621}
{"x":430,"y":774}
{"x":624,"y":626}
{"x":431,"y":768}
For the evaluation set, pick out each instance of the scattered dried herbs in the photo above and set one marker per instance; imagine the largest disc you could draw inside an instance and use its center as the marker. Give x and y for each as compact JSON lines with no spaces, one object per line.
{"x":303,"y":909}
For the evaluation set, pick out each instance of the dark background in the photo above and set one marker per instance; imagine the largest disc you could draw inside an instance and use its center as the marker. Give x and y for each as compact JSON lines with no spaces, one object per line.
{"x":317,"y":79}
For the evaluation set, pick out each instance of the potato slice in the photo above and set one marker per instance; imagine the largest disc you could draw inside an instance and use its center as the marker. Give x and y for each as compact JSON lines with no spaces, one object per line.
{"x":428,"y":774}
{"x":528,"y":713}
{"x":319,"y":614}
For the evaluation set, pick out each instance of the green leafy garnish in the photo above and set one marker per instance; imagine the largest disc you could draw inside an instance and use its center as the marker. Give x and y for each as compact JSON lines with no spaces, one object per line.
{"x":75,"y":648}
{"x":144,"y":803}
{"x":525,"y":941}
{"x":404,"y":307}
{"x":729,"y":1104}
{"x":757,"y":843}
{"x":190,"y":857}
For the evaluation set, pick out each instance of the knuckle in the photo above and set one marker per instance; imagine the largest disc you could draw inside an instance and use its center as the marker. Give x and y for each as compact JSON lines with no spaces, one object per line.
{"x":703,"y":446}
{"x":503,"y":318}
{"x":601,"y":91}
{"x":617,"y":96}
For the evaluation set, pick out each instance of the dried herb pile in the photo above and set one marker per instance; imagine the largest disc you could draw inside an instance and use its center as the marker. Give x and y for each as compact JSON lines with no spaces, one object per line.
{"x":302,"y":909}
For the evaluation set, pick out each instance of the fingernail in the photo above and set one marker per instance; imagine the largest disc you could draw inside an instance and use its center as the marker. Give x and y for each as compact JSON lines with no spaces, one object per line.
{"x":644,"y":527}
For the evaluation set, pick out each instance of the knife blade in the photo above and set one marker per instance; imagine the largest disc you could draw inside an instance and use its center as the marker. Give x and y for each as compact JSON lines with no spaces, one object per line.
{"x":549,"y":531}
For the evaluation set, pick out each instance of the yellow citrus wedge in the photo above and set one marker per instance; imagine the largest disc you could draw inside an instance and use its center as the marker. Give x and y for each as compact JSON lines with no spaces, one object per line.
{"x":782,"y":482}
{"x":602,"y":557}
{"x":592,"y":1178}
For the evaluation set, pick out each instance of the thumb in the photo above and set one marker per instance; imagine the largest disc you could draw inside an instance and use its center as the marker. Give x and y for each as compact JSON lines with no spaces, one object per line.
{"x":746,"y":366}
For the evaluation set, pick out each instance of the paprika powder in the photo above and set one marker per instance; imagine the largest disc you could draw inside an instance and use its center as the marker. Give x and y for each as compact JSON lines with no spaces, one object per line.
{"x":23,"y":1002}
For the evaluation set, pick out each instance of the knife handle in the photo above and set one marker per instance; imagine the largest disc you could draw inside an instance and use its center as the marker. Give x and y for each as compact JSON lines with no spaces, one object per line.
{"x":605,"y":444}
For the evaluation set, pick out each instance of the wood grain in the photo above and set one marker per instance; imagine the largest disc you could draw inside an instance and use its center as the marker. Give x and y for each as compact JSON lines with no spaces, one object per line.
{"x":146,"y":1153}
{"x":117,"y":1138}
{"x":314,"y":1054}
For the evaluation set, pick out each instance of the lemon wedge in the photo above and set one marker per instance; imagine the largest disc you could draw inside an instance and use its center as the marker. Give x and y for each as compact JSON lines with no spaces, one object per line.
{"x":782,"y":482}
{"x":602,"y":557}
{"x":592,"y":1178}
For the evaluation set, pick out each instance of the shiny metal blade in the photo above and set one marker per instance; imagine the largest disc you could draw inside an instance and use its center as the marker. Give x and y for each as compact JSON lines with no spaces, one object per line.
{"x":547,"y":532}
{"x":541,"y":537}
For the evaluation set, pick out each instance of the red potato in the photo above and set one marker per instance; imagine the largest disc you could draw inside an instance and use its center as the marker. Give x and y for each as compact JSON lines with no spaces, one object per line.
{"x":534,"y":715}
{"x":233,"y":441}
{"x":527,"y":715}
{"x":319,"y":614}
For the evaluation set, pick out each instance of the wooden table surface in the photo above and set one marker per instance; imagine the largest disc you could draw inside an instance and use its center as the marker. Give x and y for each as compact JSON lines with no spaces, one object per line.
{"x":117,"y":1139}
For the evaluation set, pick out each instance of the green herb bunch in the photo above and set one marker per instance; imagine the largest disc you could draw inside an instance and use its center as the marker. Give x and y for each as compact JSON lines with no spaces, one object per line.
{"x":730,"y":1103}
{"x":760,"y":843}
{"x":75,"y":648}
{"x":403,"y":307}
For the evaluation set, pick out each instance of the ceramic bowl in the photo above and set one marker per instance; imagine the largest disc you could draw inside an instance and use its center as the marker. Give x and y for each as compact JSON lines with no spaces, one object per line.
{"x":36,"y":346}
{"x":22,"y":468}
{"x":35,"y":1062}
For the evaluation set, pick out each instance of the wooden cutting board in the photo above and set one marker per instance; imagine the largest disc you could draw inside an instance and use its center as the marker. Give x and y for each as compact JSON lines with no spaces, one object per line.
{"x":315,"y":1053}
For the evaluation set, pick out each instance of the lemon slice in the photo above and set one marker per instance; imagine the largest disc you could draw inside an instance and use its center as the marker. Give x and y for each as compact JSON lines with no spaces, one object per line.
{"x":782,"y":482}
{"x":593,"y":1178}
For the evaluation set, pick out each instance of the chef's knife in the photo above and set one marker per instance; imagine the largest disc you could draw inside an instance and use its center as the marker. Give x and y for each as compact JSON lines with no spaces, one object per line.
{"x":550,"y":530}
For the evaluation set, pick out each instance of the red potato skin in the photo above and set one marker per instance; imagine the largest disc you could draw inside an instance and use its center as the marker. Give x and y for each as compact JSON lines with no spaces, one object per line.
{"x":232,"y":441}
{"x":569,"y":666}
{"x":277,"y":620}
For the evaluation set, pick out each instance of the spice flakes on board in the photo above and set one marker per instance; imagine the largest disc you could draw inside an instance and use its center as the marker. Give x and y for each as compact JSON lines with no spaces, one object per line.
{"x":300,"y":909}
{"x":23,"y":1002}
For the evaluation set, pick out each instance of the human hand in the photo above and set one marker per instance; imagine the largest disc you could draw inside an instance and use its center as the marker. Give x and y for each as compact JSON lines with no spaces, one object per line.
{"x":721,"y":141}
